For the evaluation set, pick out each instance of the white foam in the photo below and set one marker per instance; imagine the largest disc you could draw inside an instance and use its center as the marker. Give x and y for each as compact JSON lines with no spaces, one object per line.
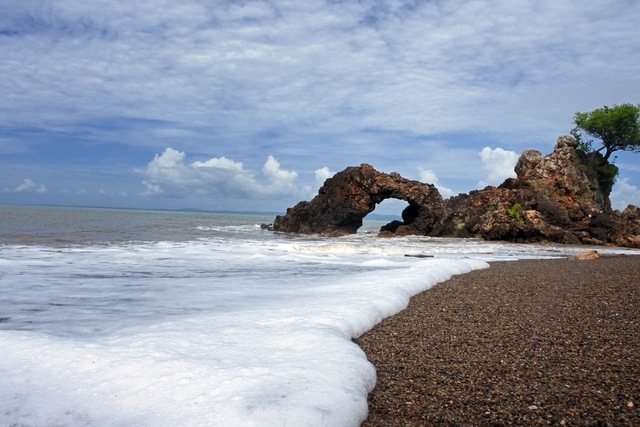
{"x":234,"y":332}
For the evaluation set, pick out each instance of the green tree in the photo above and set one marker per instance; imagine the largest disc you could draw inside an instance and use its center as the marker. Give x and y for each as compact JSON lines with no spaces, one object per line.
{"x":618,"y":128}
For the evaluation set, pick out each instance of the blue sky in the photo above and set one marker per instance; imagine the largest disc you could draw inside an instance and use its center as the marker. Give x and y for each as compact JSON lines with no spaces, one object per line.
{"x":242,"y":105}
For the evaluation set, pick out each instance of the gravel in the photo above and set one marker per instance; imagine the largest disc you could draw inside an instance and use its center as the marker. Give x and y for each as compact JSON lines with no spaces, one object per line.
{"x":532,"y":342}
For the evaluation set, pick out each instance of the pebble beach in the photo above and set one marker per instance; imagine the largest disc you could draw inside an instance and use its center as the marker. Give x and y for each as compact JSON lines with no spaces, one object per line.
{"x":530,"y":342}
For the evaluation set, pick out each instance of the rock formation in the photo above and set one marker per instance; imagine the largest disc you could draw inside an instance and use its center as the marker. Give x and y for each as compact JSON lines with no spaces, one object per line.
{"x":350,"y":195}
{"x":562,"y":197}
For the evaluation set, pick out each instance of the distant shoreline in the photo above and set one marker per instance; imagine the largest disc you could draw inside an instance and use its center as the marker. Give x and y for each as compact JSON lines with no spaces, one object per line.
{"x":372,"y":216}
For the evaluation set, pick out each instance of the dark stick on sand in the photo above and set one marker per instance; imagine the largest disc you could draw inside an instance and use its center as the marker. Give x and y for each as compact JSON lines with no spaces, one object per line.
{"x":534,"y":342}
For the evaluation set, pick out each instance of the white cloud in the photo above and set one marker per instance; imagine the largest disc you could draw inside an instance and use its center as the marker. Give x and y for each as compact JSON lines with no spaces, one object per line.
{"x":498,"y":164}
{"x":428,"y":176}
{"x":168,"y":175}
{"x":279,"y":178}
{"x":624,"y":195}
{"x":222,"y":163}
{"x":28,"y":186}
{"x":322,"y":175}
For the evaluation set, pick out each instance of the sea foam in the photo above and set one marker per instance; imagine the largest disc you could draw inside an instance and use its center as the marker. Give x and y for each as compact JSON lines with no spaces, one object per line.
{"x":199,"y":333}
{"x":230,"y":330}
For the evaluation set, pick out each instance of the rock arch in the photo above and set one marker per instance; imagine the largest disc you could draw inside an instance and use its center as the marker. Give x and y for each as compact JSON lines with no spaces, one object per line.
{"x":346,"y":198}
{"x":557,"y":198}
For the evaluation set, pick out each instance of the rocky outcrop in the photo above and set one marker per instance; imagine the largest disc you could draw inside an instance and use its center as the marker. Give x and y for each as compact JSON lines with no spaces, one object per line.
{"x":347,"y":197}
{"x":557,"y":198}
{"x":562,"y":197}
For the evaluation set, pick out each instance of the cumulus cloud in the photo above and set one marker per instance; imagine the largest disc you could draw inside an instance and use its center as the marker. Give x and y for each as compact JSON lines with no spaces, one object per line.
{"x":322,"y":175}
{"x":429,"y":176}
{"x":28,"y":186}
{"x":624,"y":195}
{"x":498,"y":164}
{"x":168,"y":175}
{"x":280,"y":179}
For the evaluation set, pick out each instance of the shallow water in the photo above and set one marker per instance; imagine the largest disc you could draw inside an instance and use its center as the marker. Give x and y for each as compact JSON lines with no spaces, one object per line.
{"x":112,"y":317}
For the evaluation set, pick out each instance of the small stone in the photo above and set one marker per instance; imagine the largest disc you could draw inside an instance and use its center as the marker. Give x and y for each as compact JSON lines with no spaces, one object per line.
{"x":386,"y":233}
{"x":586,"y":255}
{"x":338,"y":233}
{"x":630,"y":405}
{"x":533,"y":407}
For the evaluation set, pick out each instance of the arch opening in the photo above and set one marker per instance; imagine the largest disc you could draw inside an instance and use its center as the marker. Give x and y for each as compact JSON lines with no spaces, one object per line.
{"x":387,"y":211}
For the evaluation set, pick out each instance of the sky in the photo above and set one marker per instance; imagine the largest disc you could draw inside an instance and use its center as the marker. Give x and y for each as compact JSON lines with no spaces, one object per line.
{"x":251,"y":105}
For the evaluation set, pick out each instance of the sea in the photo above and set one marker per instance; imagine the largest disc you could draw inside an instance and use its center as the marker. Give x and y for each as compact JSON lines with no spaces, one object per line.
{"x":153,"y":318}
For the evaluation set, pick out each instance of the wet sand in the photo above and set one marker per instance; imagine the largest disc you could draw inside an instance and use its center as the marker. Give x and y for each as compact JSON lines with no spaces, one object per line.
{"x":533,"y":342}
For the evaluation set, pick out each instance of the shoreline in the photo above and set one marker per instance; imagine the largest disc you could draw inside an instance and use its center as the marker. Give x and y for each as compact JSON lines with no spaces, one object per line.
{"x":552,"y":342}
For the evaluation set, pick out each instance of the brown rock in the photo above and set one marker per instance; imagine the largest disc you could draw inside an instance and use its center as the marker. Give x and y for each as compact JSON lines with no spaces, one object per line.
{"x":407,"y":230}
{"x":631,"y":212}
{"x":338,"y":233}
{"x":586,"y":255}
{"x":386,"y":233}
{"x":528,"y":161}
{"x":350,"y":195}
{"x":556,"y":198}
{"x":592,"y":241}
{"x":633,"y":242}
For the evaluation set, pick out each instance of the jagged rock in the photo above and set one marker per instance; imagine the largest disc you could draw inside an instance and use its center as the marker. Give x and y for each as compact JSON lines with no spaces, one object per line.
{"x":350,"y":195}
{"x":561,"y":197}
{"x":631,"y":241}
{"x":554,"y":198}
{"x":407,"y":230}
{"x":631,"y":212}
{"x":391,"y":227}
{"x":560,"y":179}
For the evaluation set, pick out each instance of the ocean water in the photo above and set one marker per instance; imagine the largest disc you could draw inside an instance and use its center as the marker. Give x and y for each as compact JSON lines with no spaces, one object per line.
{"x":139,"y":318}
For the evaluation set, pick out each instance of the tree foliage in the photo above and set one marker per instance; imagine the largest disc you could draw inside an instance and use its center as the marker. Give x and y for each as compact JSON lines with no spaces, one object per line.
{"x":618,"y":127}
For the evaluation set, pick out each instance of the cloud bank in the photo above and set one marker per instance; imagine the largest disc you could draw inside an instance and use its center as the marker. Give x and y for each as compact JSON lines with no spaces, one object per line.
{"x":313,"y":84}
{"x":295,"y":69}
{"x":168,"y":175}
